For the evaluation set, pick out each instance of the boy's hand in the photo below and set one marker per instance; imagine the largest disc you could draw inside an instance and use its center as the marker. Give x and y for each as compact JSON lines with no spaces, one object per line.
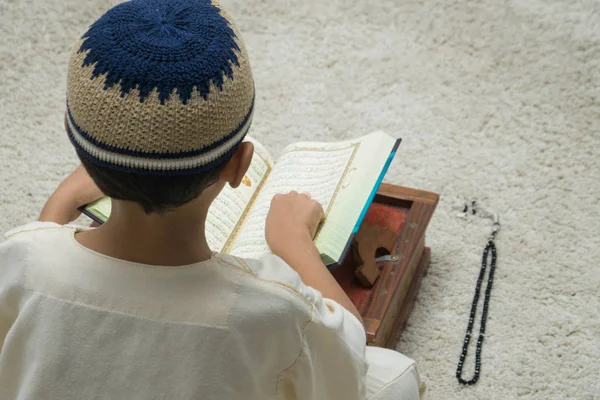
{"x":76,"y":190}
{"x":291,"y":226}
{"x":293,"y":217}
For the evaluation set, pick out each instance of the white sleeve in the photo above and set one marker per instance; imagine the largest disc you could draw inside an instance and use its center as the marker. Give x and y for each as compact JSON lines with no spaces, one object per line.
{"x":13,"y":252}
{"x":332,"y":364}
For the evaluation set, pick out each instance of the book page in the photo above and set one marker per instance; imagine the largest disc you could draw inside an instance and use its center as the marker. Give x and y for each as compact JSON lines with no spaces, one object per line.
{"x":226,"y":211}
{"x":100,"y":208}
{"x":317,"y":170}
{"x":342,"y":176}
{"x":370,"y":164}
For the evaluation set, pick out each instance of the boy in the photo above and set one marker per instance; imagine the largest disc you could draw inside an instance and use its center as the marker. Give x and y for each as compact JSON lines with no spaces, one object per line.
{"x":160,"y":96}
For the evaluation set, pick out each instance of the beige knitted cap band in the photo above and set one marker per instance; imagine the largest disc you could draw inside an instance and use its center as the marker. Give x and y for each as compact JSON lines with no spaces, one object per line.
{"x":160,"y":86}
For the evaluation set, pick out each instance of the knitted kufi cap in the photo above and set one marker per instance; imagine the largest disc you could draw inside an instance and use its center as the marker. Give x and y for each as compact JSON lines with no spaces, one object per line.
{"x":160,"y":87}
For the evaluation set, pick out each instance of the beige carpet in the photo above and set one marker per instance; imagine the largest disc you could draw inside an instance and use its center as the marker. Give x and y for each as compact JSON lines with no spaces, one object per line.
{"x":495,"y":100}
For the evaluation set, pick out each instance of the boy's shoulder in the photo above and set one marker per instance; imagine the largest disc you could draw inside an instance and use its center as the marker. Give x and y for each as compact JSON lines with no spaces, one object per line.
{"x":32,"y":235}
{"x":271,"y":273}
{"x":31,"y":230}
{"x":23,"y":244}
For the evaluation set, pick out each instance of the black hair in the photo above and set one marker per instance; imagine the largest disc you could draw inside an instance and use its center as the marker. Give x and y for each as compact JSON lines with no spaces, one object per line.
{"x":155,"y":193}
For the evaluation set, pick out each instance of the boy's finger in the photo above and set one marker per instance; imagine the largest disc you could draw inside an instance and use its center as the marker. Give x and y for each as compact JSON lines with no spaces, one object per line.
{"x":320,"y":211}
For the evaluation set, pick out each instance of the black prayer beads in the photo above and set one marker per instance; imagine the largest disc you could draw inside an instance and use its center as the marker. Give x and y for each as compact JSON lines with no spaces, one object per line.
{"x":489,"y":247}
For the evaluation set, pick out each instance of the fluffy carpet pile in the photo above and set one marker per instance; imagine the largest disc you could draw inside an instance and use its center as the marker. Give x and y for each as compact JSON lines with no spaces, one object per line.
{"x":497,"y":101}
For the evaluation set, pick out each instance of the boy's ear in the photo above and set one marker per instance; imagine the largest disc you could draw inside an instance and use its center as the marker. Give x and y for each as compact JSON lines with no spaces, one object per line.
{"x":238,"y":165}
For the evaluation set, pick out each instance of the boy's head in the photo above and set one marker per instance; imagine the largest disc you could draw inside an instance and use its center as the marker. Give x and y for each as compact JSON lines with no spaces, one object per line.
{"x":160,"y":96}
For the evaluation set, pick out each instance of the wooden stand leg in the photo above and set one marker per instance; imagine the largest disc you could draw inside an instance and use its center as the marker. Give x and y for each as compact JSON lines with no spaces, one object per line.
{"x":409,"y":301}
{"x":369,"y":239}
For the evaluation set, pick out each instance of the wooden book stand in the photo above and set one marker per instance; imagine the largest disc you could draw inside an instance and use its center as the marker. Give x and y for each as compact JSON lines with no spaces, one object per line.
{"x":385,"y":291}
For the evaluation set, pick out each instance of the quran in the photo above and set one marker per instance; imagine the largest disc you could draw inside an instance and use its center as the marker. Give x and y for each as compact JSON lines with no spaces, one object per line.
{"x":342,"y":176}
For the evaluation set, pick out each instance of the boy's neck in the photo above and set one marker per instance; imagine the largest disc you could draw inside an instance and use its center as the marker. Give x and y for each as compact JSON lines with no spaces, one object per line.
{"x":170,"y":239}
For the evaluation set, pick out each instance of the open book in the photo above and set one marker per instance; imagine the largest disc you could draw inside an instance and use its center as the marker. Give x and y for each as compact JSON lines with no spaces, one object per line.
{"x":342,"y":176}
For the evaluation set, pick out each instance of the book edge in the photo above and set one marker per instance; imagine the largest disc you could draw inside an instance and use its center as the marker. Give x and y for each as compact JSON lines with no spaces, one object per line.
{"x":336,"y":263}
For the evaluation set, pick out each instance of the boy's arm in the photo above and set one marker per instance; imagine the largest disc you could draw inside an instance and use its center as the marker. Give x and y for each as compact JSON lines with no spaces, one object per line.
{"x":291,"y":225}
{"x":77,"y":190}
{"x":332,"y":364}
